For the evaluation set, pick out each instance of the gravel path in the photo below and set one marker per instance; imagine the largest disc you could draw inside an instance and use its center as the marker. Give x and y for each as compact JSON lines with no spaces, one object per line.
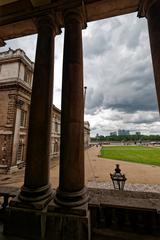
{"x":128,"y":186}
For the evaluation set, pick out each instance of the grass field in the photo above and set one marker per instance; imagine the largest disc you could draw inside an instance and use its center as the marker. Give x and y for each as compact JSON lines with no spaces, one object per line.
{"x":138,"y":154}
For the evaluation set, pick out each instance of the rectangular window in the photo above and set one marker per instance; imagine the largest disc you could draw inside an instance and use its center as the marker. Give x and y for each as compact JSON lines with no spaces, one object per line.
{"x":28,"y":76}
{"x":52,"y":148}
{"x":56,"y":126}
{"x":23,"y":118}
{"x":20,"y":153}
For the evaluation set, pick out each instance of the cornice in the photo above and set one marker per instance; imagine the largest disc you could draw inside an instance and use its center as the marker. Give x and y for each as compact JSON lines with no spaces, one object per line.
{"x":15,"y":85}
{"x":14,"y":55}
{"x":48,"y":20}
{"x":56,"y":109}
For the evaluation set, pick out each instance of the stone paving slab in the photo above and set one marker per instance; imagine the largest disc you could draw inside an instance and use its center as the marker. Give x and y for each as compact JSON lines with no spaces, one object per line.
{"x":128,"y":199}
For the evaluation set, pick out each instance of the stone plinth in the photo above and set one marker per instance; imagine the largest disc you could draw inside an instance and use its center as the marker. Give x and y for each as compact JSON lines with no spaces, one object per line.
{"x":31,"y":223}
{"x":68,"y":223}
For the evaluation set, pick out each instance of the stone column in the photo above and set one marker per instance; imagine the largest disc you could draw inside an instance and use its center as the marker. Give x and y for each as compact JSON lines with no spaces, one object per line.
{"x":72,"y":191}
{"x":151,"y":10}
{"x":36,"y":184}
{"x":19,"y":104}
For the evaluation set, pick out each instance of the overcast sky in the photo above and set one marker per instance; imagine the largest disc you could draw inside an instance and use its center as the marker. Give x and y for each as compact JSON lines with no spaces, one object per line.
{"x":117,"y":72}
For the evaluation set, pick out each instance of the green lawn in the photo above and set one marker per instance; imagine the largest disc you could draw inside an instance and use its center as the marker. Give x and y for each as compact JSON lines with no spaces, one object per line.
{"x":138,"y":154}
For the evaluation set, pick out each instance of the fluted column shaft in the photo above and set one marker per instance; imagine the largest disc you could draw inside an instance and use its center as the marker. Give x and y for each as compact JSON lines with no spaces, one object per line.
{"x":36,"y":184}
{"x":71,"y":189}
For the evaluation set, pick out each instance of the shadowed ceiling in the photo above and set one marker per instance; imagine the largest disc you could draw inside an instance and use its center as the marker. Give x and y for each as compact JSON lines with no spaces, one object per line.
{"x":17,"y":16}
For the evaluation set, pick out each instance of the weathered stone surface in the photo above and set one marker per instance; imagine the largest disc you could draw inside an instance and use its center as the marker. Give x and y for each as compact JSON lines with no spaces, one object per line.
{"x":71,"y":191}
{"x":127,"y":199}
{"x":67,"y":227}
{"x":24,"y":223}
{"x":36,"y":183}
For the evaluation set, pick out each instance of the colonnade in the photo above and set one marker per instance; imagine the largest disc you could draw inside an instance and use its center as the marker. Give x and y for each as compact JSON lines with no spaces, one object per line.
{"x":37,"y":190}
{"x":71,"y":191}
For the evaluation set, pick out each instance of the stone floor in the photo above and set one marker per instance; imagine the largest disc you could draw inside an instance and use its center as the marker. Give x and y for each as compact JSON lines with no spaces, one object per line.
{"x":2,"y":237}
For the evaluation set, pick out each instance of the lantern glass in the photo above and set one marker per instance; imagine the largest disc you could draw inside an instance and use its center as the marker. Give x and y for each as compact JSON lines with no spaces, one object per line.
{"x":118,"y":179}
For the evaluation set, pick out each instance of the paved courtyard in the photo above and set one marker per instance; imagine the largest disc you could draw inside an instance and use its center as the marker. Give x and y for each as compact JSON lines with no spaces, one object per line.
{"x":97,"y":173}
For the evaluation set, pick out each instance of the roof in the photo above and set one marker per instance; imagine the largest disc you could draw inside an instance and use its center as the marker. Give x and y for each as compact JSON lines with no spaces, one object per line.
{"x":13,"y":55}
{"x":56,"y":109}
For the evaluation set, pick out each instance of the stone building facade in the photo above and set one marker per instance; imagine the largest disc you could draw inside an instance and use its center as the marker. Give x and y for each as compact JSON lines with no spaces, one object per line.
{"x":16,"y":77}
{"x":55,"y":132}
{"x":16,"y":73}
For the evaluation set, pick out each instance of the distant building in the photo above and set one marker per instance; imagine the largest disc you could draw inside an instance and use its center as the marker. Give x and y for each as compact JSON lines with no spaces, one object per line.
{"x":113,"y":133}
{"x":55,"y":132}
{"x":16,"y":76}
{"x":138,"y":133}
{"x":123,"y":132}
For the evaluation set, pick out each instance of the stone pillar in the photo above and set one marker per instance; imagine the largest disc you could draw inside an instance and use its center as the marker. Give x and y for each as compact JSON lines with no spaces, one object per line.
{"x":19,"y":104}
{"x":36,"y":188}
{"x":151,"y":10}
{"x":72,"y":191}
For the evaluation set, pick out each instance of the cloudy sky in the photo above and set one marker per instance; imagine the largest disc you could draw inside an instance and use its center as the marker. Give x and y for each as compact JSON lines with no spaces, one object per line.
{"x":117,"y":72}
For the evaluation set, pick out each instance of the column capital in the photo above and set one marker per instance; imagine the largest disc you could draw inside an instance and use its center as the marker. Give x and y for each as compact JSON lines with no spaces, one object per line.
{"x":75,"y":15}
{"x":144,"y":7}
{"x":47,"y":21}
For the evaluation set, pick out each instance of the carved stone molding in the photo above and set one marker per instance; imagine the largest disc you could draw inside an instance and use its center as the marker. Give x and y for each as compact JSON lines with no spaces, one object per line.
{"x":19,"y":103}
{"x":76,"y":14}
{"x":2,"y":43}
{"x":144,"y":7}
{"x":48,"y":21}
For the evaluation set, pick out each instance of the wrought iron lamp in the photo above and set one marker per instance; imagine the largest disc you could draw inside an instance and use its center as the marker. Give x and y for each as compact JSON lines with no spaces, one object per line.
{"x":118,"y":178}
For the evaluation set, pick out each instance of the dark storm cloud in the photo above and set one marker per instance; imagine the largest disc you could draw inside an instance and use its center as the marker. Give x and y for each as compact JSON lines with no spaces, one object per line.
{"x":100,"y":41}
{"x":118,"y":68}
{"x":144,"y":120}
{"x":142,"y":117}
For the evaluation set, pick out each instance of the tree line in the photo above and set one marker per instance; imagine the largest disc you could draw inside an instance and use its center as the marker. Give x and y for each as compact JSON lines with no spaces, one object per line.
{"x":140,"y":138}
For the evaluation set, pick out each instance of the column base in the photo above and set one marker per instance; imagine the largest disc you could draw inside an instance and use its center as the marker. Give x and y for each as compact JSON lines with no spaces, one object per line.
{"x":71,"y":199}
{"x":53,"y":222}
{"x":33,"y":198}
